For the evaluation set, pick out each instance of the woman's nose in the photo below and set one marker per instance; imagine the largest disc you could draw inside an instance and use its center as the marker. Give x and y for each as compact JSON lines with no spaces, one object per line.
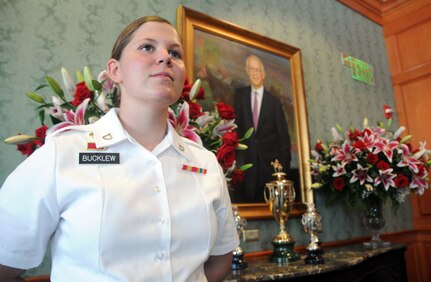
{"x":165,"y":58}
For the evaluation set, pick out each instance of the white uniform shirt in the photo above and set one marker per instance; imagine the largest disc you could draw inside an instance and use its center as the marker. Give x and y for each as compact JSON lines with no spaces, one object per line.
{"x":144,"y":219}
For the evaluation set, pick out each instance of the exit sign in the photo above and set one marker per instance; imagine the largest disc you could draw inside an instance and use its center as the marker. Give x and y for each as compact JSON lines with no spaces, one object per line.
{"x":361,"y":71}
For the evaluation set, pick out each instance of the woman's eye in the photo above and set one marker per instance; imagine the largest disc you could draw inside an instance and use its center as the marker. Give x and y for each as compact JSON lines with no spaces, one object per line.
{"x":147,"y":48}
{"x":175,"y":54}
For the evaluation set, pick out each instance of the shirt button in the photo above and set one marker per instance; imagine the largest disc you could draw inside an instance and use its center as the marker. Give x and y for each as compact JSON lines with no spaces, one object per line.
{"x":162,"y":220}
{"x":156,"y":189}
{"x":160,"y":255}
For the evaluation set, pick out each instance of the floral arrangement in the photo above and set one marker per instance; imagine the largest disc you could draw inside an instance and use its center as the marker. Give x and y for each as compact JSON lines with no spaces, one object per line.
{"x":371,"y":161}
{"x":91,"y":99}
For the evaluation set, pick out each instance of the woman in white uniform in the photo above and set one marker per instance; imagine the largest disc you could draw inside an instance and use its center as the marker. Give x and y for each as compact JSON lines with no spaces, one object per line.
{"x":126,"y":210}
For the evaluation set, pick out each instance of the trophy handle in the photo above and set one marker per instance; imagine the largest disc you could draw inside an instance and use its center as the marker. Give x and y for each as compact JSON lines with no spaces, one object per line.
{"x":267,"y":191}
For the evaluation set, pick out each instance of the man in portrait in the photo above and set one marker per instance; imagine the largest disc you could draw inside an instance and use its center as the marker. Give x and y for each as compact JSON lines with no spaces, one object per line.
{"x":256,"y":107}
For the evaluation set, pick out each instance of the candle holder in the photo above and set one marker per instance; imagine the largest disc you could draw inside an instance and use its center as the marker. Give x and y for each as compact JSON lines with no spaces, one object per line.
{"x":280,"y":195}
{"x":238,"y":261}
{"x":311,"y":220}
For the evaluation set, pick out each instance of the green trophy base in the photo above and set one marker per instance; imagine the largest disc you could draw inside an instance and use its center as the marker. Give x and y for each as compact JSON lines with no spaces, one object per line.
{"x":283,"y":253}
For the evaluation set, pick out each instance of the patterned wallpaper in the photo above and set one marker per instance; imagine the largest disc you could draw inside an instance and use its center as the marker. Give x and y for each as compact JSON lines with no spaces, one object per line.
{"x":39,"y":37}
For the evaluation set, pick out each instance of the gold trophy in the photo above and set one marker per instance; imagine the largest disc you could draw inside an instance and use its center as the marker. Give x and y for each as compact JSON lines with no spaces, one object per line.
{"x":280,"y":195}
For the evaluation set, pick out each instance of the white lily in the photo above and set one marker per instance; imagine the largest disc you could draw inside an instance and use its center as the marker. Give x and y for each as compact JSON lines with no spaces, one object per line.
{"x":399,"y":131}
{"x":68,"y":82}
{"x":365,"y":124}
{"x":335,"y":134}
{"x":195,"y":88}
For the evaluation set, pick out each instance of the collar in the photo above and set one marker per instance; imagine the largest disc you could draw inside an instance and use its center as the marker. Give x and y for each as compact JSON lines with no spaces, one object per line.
{"x":177,"y":142}
{"x":108,"y":130}
{"x":258,"y":90}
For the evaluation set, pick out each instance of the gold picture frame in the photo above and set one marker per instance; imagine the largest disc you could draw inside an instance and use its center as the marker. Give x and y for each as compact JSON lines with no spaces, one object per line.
{"x":195,"y":27}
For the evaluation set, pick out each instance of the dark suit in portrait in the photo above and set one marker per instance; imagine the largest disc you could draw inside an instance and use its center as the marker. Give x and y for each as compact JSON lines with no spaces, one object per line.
{"x":269,"y":141}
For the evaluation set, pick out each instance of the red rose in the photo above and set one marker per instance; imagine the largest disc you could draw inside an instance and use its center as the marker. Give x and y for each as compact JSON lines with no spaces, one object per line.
{"x":382,"y":165}
{"x":339,"y":184}
{"x":27,"y":149}
{"x":230,"y":139}
{"x":225,"y":156}
{"x":195,"y":110}
{"x":225,"y":111}
{"x":353,"y":135}
{"x":41,"y":134}
{"x":201,"y":94}
{"x":81,"y":93}
{"x":237,"y":176}
{"x":401,"y":181}
{"x":318,"y":147}
{"x":372,"y":158}
{"x":186,"y":90}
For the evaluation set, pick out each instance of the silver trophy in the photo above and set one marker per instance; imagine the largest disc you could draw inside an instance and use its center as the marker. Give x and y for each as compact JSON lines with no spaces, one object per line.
{"x":280,"y":195}
{"x":311,"y":220}
{"x":238,"y":261}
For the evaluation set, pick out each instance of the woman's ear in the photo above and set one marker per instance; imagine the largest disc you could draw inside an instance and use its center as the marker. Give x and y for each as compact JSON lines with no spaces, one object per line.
{"x":113,"y":69}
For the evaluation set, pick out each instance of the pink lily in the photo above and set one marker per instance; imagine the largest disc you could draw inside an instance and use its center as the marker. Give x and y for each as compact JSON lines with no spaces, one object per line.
{"x":181,"y":123}
{"x":107,"y":83}
{"x":57,"y":110}
{"x":361,"y":174}
{"x":345,"y":154}
{"x":385,"y":146}
{"x":223,"y":127}
{"x":204,"y":119}
{"x":408,"y":160}
{"x":420,"y":183}
{"x":368,"y":140}
{"x":72,"y":118}
{"x":386,"y":177}
{"x":339,"y":169}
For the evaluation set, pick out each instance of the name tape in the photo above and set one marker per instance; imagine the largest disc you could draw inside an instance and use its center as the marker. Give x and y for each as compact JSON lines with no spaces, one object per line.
{"x":99,"y":158}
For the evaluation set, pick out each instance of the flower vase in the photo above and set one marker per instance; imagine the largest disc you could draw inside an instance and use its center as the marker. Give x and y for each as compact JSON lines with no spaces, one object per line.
{"x":374,"y":221}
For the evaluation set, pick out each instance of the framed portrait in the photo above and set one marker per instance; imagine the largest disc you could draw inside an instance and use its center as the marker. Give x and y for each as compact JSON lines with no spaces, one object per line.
{"x":216,"y":52}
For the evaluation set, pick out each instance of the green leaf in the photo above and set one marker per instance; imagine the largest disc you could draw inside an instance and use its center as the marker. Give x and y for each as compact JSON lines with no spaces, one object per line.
{"x":42,"y":116}
{"x":55,"y":86}
{"x":88,"y":78}
{"x":97,"y":85}
{"x":35,"y":97}
{"x":41,"y":86}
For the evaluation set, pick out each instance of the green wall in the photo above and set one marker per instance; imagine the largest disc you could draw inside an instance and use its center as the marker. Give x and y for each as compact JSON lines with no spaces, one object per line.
{"x":38,"y":37}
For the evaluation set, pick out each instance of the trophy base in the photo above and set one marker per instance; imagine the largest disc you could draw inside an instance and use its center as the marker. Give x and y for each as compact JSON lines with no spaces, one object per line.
{"x":238,"y":261}
{"x":314,"y":257}
{"x":238,"y":264}
{"x":283,"y":253}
